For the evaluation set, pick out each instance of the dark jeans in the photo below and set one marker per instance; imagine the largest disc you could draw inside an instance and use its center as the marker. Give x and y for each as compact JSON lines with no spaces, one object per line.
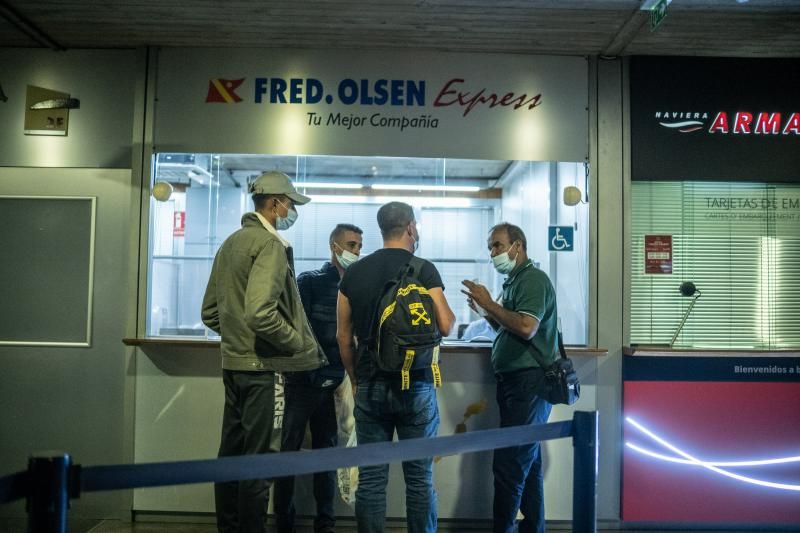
{"x":250,"y":425}
{"x":308,"y":404}
{"x":381,"y":408}
{"x":518,"y":477}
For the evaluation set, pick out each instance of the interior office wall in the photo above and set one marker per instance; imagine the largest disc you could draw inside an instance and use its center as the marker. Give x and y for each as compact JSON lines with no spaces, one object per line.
{"x":72,"y":398}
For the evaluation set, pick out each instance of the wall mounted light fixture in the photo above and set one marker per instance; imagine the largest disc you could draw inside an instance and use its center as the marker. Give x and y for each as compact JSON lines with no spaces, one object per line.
{"x":162,"y":190}
{"x":57,"y":103}
{"x":573,"y":196}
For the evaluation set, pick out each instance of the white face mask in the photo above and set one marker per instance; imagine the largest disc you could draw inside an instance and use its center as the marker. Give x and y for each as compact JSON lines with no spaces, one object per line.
{"x":503,"y":263}
{"x":284,"y":223}
{"x":346,"y":258}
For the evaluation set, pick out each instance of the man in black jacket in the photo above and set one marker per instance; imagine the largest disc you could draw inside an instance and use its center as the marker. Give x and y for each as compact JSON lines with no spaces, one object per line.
{"x":309,"y":395}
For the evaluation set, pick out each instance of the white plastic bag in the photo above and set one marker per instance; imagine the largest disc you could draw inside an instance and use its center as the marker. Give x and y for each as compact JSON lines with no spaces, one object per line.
{"x":348,"y":477}
{"x":343,"y":399}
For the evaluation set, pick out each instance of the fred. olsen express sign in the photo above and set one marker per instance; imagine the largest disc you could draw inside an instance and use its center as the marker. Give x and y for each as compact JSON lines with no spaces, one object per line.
{"x":715,"y":119}
{"x":378,"y":93}
{"x":372,"y":103}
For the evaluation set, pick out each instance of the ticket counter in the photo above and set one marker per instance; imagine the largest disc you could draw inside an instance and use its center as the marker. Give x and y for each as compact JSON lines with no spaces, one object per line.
{"x":468,"y":141}
{"x":179,"y":412}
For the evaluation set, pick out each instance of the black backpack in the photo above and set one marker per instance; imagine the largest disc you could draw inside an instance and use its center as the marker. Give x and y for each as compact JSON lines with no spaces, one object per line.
{"x":405,"y":335}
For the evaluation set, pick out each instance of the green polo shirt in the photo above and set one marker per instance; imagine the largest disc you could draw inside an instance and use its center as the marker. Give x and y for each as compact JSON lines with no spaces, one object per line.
{"x":527,"y":290}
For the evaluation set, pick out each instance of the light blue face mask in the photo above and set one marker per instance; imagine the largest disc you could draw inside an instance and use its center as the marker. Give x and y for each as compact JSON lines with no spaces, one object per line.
{"x":503,"y":263}
{"x":346,"y":258}
{"x":284,"y":223}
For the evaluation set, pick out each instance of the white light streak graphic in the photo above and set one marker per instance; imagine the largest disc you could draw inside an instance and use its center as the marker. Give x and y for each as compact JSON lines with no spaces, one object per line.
{"x":671,"y":459}
{"x":712,"y":466}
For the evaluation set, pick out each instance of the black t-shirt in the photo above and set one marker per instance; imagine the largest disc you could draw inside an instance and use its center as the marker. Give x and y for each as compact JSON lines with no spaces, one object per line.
{"x":364,"y":280}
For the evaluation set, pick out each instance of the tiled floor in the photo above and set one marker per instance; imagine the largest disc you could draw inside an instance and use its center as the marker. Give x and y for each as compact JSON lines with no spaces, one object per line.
{"x":15,"y":525}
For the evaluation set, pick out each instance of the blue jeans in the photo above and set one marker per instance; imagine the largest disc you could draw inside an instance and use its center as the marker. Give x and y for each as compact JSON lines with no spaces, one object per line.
{"x":518,"y":477}
{"x":380,"y":409}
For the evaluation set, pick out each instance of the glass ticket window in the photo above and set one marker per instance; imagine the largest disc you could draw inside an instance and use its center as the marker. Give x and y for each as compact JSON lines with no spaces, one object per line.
{"x":198,"y":201}
{"x":737,"y":243}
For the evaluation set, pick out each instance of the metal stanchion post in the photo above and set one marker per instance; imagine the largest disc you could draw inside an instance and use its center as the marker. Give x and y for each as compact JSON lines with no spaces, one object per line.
{"x":584,"y":480}
{"x":48,"y":494}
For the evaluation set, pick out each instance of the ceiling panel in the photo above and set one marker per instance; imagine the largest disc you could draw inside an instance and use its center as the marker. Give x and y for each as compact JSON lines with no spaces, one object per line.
{"x":755,"y":28}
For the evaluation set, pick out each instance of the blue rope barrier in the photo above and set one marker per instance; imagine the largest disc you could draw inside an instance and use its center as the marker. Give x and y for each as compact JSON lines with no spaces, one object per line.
{"x":51,"y":481}
{"x":13,"y":487}
{"x":273,"y":465}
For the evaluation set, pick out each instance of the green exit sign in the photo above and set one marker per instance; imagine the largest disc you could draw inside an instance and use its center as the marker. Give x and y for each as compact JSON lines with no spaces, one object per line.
{"x":657,"y":14}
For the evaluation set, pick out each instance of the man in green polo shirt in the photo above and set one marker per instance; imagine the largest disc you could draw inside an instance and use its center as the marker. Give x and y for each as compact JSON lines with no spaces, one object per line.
{"x":526,"y":323}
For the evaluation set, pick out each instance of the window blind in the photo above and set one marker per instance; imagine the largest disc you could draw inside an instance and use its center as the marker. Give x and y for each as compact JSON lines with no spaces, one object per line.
{"x":739,"y":243}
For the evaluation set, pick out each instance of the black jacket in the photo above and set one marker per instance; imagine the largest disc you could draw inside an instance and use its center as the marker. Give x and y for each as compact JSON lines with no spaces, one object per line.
{"x":318,"y":291}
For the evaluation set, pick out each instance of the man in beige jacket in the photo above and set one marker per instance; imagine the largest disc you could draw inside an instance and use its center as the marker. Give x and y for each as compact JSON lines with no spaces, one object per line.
{"x":252,"y":301}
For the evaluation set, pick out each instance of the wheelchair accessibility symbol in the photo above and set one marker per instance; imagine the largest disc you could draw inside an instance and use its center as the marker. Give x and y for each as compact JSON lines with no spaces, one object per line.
{"x":560,"y":238}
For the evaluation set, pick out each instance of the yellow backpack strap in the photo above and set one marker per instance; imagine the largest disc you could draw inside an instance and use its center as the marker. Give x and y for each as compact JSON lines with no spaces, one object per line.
{"x":437,"y":374}
{"x":405,"y":374}
{"x":384,"y":315}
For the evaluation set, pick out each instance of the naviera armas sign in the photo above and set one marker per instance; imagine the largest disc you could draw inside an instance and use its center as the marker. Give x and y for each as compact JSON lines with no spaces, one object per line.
{"x":715,"y":119}
{"x":736,"y":123}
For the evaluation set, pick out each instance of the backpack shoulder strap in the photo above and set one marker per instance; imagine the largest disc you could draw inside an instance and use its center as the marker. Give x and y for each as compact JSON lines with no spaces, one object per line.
{"x":416,"y":263}
{"x":376,"y":311}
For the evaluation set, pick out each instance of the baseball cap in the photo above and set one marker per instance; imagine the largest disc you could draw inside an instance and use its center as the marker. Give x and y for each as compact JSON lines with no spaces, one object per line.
{"x":274,"y":182}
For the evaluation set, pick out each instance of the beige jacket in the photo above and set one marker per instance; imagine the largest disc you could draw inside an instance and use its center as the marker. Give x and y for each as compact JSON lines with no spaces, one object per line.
{"x":252,"y":301}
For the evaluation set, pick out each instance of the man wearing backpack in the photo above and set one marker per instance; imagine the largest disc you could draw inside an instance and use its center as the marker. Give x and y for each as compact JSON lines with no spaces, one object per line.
{"x":526,"y":322}
{"x":383,"y":404}
{"x":310,"y":395}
